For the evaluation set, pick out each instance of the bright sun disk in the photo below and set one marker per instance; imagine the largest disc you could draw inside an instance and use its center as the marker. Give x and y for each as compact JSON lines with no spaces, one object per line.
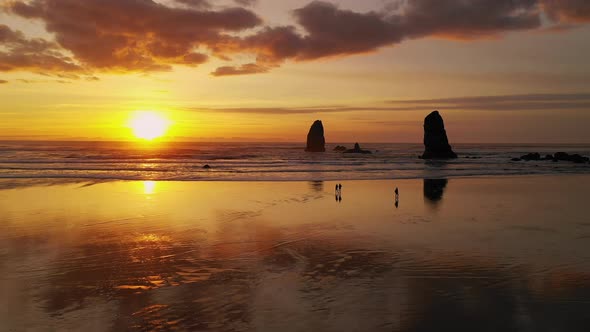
{"x":149,"y":125}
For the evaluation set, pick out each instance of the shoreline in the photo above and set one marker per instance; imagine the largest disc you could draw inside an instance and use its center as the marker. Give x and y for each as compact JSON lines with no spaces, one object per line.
{"x":267,"y":162}
{"x":452,"y":177}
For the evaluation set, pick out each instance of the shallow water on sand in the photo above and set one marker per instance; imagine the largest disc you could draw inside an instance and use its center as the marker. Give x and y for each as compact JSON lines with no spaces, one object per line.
{"x":480,"y":254}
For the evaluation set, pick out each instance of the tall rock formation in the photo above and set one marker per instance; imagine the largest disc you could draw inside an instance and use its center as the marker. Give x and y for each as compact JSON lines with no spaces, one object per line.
{"x":436,"y":143}
{"x":315,"y":139}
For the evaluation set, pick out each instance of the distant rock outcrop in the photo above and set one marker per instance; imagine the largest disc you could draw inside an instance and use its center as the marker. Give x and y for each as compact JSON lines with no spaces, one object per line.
{"x":340,"y":148}
{"x":575,"y":158}
{"x":531,"y":156}
{"x":559,"y":156}
{"x":357,"y":149}
{"x":315,"y":139}
{"x":436,"y":143}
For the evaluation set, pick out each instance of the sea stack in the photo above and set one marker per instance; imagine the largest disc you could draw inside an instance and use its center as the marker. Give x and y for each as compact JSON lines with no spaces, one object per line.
{"x":357,"y":149}
{"x":315,"y":139}
{"x":436,"y":143}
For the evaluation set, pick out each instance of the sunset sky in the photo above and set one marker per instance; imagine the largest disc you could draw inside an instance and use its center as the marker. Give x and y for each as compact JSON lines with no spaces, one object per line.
{"x":499,"y":71}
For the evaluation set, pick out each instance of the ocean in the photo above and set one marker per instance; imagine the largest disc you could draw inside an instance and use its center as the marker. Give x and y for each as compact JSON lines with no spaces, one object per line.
{"x":98,"y":161}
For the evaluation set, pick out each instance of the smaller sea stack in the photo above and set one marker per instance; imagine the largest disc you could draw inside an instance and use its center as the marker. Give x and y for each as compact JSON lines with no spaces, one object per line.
{"x":436,"y":143}
{"x":357,"y":149}
{"x":315,"y":139}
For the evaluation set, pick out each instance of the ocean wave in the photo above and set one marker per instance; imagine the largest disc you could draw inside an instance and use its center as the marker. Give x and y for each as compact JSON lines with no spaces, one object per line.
{"x":262,"y":162}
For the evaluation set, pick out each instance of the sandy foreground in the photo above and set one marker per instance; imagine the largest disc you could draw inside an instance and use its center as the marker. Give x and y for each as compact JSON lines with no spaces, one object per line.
{"x":474,"y":254}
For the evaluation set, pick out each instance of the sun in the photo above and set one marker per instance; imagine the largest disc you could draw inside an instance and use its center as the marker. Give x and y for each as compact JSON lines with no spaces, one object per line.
{"x":148,"y":125}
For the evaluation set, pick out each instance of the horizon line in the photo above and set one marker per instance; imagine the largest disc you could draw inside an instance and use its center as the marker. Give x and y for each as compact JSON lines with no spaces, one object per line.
{"x":155,"y":143}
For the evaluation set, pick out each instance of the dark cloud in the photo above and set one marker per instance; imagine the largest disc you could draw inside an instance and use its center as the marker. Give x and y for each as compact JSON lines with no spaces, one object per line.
{"x":250,"y":68}
{"x":272,"y":45}
{"x":282,"y":110}
{"x":572,"y":11}
{"x":330,"y":31}
{"x":504,"y":98}
{"x":19,"y":53}
{"x":144,"y":35}
{"x":195,"y":3}
{"x":333,"y":31}
{"x":135,"y":35}
{"x":207,"y":3}
{"x":466,"y":19}
{"x":530,"y":102}
{"x":193,"y":59}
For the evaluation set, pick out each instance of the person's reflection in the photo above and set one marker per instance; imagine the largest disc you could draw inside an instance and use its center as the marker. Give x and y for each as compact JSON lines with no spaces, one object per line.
{"x":434,"y":190}
{"x":338,"y":193}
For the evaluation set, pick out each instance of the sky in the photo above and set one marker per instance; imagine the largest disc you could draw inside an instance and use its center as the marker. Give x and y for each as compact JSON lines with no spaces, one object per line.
{"x":502,"y":71}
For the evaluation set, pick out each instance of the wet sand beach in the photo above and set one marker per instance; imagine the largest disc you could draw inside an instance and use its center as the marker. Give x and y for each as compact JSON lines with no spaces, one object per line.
{"x":466,"y":254}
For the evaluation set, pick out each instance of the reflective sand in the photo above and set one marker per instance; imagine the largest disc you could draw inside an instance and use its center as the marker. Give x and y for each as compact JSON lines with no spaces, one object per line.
{"x":489,"y":254}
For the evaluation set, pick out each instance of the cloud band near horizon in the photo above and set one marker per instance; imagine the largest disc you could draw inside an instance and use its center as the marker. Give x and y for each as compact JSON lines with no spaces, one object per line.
{"x":94,"y":36}
{"x":526,"y":102}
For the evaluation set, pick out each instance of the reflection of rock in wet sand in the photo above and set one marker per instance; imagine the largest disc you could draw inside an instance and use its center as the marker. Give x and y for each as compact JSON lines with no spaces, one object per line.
{"x":316,"y":186}
{"x":162,"y":282}
{"x":434,"y":189}
{"x":407,"y":292}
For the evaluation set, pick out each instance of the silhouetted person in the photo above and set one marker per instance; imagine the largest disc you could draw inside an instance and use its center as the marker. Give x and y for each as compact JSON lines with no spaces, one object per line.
{"x":340,"y":187}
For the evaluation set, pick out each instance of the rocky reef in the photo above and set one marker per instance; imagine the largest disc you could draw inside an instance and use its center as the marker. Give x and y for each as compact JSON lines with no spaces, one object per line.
{"x":357,"y":149}
{"x":558,"y":156}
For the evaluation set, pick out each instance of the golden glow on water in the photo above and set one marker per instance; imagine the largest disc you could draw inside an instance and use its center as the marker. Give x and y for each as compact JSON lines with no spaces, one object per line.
{"x":152,"y":238}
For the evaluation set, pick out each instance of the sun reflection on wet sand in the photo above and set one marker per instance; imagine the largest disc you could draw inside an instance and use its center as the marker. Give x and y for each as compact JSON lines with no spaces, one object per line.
{"x":149,"y":187}
{"x":248,"y":256}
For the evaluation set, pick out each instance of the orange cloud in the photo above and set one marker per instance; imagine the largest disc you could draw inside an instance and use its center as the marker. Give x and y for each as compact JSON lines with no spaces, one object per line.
{"x":18,"y":53}
{"x":132,"y":35}
{"x":144,"y":35}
